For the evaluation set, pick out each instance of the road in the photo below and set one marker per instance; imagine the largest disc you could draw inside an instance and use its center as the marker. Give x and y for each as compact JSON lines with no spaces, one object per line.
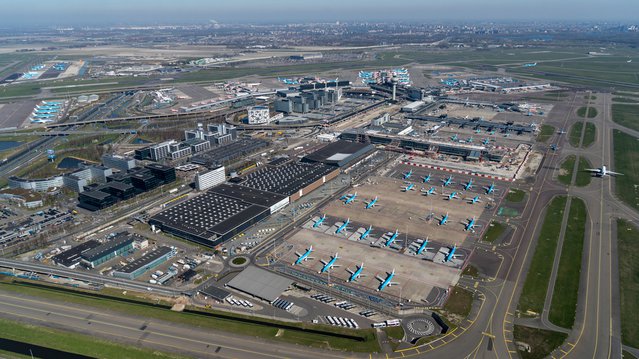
{"x":152,"y":333}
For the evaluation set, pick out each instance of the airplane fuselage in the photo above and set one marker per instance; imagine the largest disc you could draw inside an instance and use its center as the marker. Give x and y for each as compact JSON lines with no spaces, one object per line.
{"x":451,"y":254}
{"x":392,"y":239}
{"x":342,"y":227}
{"x":366,"y":233}
{"x":303,"y":256}
{"x":329,"y":265}
{"x":386,"y":281}
{"x":422,"y":247}
{"x":356,"y":274}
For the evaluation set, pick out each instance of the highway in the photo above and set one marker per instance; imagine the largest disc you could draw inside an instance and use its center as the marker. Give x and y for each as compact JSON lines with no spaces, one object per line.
{"x":152,"y":333}
{"x":87,"y":276}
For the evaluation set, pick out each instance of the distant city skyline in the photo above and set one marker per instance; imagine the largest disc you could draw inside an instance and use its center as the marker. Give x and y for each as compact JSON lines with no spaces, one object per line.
{"x":27,"y":13}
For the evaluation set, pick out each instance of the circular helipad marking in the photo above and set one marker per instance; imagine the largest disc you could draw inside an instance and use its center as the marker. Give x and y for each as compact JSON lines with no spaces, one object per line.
{"x":420,"y":327}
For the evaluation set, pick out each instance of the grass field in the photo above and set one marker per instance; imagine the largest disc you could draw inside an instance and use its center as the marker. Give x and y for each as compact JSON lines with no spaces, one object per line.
{"x":574,"y":137}
{"x":542,"y":342}
{"x":625,"y":94}
{"x":625,"y":100}
{"x":534,"y":292}
{"x":589,"y":112}
{"x":590,"y":135}
{"x":566,"y":169}
{"x":471,"y":270}
{"x":627,"y":239}
{"x":396,"y":333}
{"x":626,"y":115}
{"x":626,"y":161}
{"x":74,"y":342}
{"x":494,"y":231}
{"x":545,"y":133}
{"x":264,"y":329}
{"x":459,"y":303}
{"x":565,"y":294}
{"x":583,"y":177}
{"x":590,"y":97}
{"x":515,"y":195}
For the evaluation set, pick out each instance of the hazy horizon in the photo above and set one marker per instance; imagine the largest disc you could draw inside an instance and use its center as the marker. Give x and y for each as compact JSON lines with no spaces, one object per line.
{"x":32,"y":13}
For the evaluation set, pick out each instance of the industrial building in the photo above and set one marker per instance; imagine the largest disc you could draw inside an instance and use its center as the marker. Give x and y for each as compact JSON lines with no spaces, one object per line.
{"x":274,"y":201}
{"x":145,"y":263}
{"x":288,"y":178}
{"x":72,"y":257}
{"x":305,"y":101}
{"x":260,"y":283}
{"x":204,"y":181}
{"x":212,"y":218}
{"x":221,"y":155}
{"x":121,"y":243}
{"x":340,"y":153}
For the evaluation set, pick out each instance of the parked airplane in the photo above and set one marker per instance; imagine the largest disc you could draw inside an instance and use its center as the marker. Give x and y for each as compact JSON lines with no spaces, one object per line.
{"x":343,"y":226}
{"x":448,"y":181}
{"x":490,"y":189}
{"x":408,"y":174}
{"x":423,"y":247}
{"x":429,"y":191}
{"x":371,"y":204}
{"x":443,"y":220}
{"x":451,"y":196}
{"x":319,"y":221}
{"x":470,"y":226}
{"x":485,"y":141}
{"x":468,"y":185}
{"x":451,"y":254}
{"x":561,"y":132}
{"x":301,"y":257}
{"x":366,"y":233}
{"x":427,"y":178}
{"x":603,"y":171}
{"x":330,"y":264}
{"x":474,"y":200}
{"x":553,"y":147}
{"x":469,"y":139}
{"x":386,"y":282}
{"x":532,"y":64}
{"x":349,"y":198}
{"x":392,"y":238}
{"x":454,"y":138}
{"x":409,"y":187}
{"x":356,"y":273}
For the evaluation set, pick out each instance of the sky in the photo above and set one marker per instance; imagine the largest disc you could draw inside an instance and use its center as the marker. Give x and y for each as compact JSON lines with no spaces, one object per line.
{"x":27,"y":13}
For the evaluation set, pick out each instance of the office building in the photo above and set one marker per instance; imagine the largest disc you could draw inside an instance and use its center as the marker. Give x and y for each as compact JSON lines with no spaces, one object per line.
{"x":258,"y":115}
{"x":145,"y":263}
{"x":209,"y":179}
{"x":122,"y":163}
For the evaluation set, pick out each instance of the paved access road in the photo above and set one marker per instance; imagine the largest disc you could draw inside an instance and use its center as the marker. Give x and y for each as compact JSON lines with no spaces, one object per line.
{"x":152,"y":333}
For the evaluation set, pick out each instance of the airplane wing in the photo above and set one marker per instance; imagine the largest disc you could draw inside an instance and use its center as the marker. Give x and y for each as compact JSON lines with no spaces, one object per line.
{"x":350,"y":271}
{"x":323,"y":262}
{"x":614,"y":173}
{"x":594,"y":170}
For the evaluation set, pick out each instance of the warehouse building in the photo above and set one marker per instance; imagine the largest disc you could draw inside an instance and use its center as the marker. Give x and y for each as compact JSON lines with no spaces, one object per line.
{"x":260,"y":283}
{"x":210,"y":218}
{"x":340,"y":153}
{"x":72,"y":257}
{"x":274,"y":201}
{"x":221,"y":155}
{"x":121,"y":243}
{"x":145,"y":263}
{"x":290,"y":179}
